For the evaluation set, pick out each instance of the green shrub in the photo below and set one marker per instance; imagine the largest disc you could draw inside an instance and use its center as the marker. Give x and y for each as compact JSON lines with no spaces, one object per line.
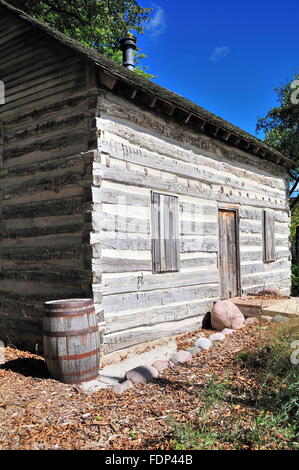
{"x":295,"y":279}
{"x":273,"y":407}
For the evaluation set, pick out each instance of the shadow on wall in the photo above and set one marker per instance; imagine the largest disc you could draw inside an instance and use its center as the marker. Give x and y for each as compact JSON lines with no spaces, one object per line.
{"x":206,"y":322}
{"x":29,"y":367}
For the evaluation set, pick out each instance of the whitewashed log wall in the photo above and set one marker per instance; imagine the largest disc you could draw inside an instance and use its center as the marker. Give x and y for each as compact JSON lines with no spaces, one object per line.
{"x":47,"y":125}
{"x":140,"y":152}
{"x":75,"y":192}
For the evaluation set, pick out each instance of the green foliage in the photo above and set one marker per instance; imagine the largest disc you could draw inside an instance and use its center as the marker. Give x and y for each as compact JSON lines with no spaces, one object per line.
{"x":274,"y":405}
{"x":295,"y":280}
{"x":99,"y":24}
{"x":281,"y":124}
{"x":201,"y":438}
{"x":279,"y":377}
{"x":186,"y":437}
{"x":294,"y":220}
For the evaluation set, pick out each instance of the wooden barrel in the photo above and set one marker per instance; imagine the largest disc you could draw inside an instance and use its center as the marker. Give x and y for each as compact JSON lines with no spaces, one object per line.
{"x":71,"y":340}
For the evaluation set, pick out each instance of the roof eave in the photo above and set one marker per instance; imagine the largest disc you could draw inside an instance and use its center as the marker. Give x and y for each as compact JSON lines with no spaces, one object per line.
{"x":175,"y":104}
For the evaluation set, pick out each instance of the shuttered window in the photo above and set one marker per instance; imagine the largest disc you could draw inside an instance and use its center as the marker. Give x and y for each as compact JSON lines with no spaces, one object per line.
{"x":165,"y":233}
{"x":269,"y":236}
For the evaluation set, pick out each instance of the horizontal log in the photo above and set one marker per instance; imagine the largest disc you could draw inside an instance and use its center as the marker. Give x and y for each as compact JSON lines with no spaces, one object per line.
{"x":257,"y":214}
{"x":115,"y":196}
{"x":151,"y":317}
{"x":46,"y":184}
{"x":112,"y":222}
{"x":203,"y":170}
{"x":14,"y":234}
{"x":79,"y":103}
{"x":32,"y":290}
{"x":140,"y":300}
{"x":115,"y":265}
{"x":66,"y":90}
{"x":139,"y":179}
{"x":46,"y":145}
{"x":143,"y":244}
{"x":34,"y":171}
{"x":271,"y":277}
{"x":125,"y":339}
{"x":67,"y":206}
{"x":45,"y":253}
{"x":149,"y":282}
{"x":261,"y":267}
{"x":116,"y":108}
{"x":68,"y":278}
{"x":55,"y":126}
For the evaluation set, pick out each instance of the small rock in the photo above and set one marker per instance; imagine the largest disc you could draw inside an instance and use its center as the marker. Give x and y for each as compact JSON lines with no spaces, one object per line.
{"x":194,"y":350}
{"x":280,"y":318}
{"x":142,"y":374}
{"x":161,"y":365}
{"x":123,"y":387}
{"x":269,"y":291}
{"x":216,"y":337}
{"x":266,"y":318}
{"x":203,"y":343}
{"x":251,"y":321}
{"x":228,"y":331}
{"x":181,"y":357}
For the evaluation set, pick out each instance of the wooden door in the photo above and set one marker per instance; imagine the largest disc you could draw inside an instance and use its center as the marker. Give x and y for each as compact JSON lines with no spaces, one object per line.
{"x":228,"y":254}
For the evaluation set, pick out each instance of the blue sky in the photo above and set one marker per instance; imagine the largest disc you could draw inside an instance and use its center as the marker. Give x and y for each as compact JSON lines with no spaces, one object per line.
{"x":226,"y":56}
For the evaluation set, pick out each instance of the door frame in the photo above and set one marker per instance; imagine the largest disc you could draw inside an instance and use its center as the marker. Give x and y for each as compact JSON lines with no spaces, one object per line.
{"x":236,"y":210}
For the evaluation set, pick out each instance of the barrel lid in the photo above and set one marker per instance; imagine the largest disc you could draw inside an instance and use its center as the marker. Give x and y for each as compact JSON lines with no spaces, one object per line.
{"x":68,"y":303}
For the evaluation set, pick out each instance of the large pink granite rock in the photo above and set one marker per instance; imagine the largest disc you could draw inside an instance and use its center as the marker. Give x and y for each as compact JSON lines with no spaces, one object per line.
{"x":226,"y":314}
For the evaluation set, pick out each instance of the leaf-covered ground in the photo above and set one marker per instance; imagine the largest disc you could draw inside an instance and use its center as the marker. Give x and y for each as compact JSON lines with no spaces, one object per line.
{"x":37,"y":412}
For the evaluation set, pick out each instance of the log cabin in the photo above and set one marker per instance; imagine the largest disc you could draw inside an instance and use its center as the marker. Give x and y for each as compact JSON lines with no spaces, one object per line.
{"x":116,"y":189}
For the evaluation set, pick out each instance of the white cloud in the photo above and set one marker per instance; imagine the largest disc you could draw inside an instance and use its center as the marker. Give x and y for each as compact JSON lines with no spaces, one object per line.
{"x":219,"y":53}
{"x":157,"y":24}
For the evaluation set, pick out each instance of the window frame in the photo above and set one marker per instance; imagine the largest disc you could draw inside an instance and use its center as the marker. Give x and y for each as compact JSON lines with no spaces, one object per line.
{"x":269,"y":250}
{"x":171,"y":249}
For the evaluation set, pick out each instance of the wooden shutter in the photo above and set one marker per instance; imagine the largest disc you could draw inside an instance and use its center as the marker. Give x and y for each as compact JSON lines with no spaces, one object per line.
{"x":165,"y":233}
{"x":269,"y":237}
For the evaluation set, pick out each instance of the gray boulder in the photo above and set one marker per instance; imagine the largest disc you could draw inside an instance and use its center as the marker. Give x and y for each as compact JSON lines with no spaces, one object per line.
{"x":203,"y":343}
{"x":217,"y":337}
{"x":280,"y":318}
{"x":194,"y":350}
